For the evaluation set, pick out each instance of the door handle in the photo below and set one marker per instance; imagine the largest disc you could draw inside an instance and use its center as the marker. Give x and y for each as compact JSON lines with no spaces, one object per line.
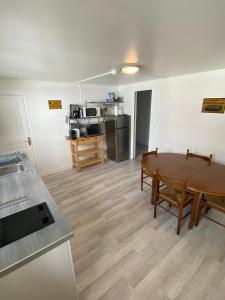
{"x":29,"y":140}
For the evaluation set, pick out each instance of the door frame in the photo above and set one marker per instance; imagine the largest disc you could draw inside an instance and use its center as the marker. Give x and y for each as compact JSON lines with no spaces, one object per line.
{"x":135,"y":120}
{"x":27,"y":122}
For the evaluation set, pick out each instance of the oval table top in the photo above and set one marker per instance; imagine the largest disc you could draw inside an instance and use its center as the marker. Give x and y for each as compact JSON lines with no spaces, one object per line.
{"x":201,"y":177}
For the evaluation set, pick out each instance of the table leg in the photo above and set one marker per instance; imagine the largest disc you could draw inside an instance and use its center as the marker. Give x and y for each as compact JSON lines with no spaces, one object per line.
{"x":193,"y":211}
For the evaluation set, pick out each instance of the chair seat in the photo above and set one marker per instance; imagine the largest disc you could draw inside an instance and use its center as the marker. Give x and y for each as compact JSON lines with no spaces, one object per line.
{"x":175,"y":195}
{"x":147,"y":172}
{"x":216,"y":200}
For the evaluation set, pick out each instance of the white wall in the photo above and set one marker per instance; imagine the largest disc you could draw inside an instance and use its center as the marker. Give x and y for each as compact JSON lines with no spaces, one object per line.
{"x":176,"y":119}
{"x":48,"y":126}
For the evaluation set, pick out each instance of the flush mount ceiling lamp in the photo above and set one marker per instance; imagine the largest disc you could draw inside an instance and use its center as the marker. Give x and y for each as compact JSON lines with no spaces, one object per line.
{"x":130,"y":69}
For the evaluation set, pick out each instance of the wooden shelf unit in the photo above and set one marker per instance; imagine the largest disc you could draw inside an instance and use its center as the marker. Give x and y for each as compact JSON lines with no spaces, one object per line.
{"x":90,"y":155}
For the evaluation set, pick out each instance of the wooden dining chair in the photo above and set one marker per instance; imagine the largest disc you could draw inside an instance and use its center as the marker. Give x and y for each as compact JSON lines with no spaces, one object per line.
{"x":148,"y":174}
{"x":206,"y":158}
{"x":214,"y":201}
{"x":175,"y":194}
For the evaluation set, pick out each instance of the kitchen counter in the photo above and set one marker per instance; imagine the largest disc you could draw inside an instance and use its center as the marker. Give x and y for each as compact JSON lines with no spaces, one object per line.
{"x":21,"y":191}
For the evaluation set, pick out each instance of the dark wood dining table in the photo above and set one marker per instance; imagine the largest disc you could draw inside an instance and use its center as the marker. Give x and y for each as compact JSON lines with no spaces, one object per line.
{"x":201,"y":177}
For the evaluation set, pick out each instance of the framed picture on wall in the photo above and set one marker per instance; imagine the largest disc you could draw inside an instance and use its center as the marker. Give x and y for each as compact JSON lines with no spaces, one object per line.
{"x":213,"y":105}
{"x":55,"y":104}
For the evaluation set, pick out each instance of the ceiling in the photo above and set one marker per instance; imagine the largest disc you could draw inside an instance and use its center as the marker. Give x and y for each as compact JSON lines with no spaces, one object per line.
{"x":70,"y":40}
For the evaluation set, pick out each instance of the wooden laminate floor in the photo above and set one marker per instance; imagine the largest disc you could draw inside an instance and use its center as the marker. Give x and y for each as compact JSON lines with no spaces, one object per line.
{"x":121,"y":252}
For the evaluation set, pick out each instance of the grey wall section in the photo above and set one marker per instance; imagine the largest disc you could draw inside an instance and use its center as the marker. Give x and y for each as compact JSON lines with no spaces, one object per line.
{"x":143,"y":116}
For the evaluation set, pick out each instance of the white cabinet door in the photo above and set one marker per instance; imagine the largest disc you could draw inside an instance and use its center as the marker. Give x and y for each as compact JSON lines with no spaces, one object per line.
{"x":15,"y":132}
{"x":48,"y":277}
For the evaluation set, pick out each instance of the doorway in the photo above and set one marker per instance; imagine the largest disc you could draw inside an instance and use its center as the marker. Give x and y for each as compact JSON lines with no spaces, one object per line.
{"x":15,"y":132}
{"x":142,"y":122}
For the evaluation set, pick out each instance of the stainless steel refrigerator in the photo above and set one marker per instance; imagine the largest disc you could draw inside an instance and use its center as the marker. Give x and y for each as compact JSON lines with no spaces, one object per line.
{"x":118,"y":137}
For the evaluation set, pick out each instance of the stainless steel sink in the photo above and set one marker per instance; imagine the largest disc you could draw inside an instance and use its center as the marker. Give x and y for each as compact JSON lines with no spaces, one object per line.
{"x":12,"y":169}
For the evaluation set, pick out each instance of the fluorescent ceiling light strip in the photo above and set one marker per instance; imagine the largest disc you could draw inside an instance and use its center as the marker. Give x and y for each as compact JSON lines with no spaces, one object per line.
{"x":113,"y":72}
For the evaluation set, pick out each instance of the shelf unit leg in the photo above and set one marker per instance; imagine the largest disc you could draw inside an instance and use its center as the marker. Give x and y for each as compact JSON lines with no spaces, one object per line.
{"x":72,"y":151}
{"x":77,"y":158}
{"x":102,"y":152}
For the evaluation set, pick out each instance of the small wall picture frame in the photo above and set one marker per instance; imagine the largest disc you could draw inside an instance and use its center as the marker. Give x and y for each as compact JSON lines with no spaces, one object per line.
{"x":213,"y":105}
{"x":55,"y":104}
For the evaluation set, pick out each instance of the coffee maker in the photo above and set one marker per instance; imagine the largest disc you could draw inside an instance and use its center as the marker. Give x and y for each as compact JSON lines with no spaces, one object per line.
{"x":74,"y":133}
{"x":74,"y":111}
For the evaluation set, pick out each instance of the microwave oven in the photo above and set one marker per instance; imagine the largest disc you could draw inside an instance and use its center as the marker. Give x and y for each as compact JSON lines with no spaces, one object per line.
{"x":91,"y":112}
{"x":94,"y":129}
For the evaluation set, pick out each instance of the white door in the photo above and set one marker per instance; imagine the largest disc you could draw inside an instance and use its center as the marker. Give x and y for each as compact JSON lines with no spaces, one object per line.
{"x":14,"y":127}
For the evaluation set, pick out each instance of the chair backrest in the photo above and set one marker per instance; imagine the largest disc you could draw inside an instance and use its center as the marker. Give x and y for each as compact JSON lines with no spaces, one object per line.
{"x":173,"y":184}
{"x":206,"y":158}
{"x":154,"y":152}
{"x":218,"y":199}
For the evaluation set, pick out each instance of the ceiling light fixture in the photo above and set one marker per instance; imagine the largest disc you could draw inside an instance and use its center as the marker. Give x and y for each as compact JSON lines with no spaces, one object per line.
{"x":130,"y":69}
{"x":112,"y":72}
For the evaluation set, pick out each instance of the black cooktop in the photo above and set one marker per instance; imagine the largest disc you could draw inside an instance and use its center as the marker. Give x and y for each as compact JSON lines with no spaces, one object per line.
{"x":24,"y":222}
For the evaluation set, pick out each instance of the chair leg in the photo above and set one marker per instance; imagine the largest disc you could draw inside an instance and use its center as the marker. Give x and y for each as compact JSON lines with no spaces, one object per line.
{"x":179,"y":219}
{"x":156,"y":198}
{"x":155,"y":208}
{"x":156,"y":194}
{"x":141,"y":178}
{"x":207,"y":208}
{"x":153,"y":191}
